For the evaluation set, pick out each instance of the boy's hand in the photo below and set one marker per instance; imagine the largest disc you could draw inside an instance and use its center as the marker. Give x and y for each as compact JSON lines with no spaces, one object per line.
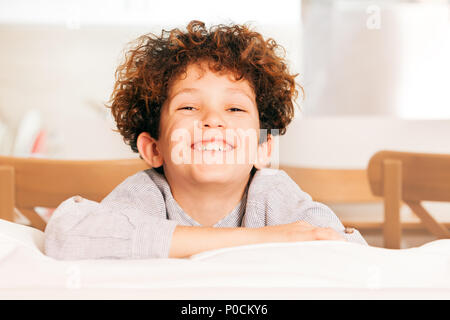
{"x":298,"y":231}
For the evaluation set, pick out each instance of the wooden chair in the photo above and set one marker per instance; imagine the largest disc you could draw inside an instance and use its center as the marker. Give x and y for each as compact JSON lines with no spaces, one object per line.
{"x":410,"y":178}
{"x":336,"y":186}
{"x":26,"y":183}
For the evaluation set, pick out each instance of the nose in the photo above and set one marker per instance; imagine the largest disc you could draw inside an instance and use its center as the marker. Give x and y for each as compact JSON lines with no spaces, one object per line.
{"x":212,"y":119}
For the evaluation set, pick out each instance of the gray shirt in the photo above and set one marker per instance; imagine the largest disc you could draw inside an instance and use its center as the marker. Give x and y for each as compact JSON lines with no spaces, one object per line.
{"x":137,"y":219}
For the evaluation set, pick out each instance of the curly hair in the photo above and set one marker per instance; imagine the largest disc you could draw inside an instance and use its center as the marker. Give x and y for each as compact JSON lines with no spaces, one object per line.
{"x":153,"y":63}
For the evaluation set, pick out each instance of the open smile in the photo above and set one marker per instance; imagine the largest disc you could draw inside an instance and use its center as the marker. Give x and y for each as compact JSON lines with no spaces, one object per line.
{"x":212,"y":145}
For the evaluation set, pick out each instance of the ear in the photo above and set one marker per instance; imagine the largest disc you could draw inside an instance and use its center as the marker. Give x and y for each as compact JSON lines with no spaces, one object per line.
{"x":264,"y":153}
{"x":149,"y":151}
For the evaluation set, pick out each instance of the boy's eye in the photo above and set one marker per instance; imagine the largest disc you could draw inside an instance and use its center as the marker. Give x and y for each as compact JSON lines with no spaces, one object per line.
{"x":234,"y":109}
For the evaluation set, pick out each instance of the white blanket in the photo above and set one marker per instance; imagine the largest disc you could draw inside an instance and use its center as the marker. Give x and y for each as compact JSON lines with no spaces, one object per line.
{"x":316,"y":269}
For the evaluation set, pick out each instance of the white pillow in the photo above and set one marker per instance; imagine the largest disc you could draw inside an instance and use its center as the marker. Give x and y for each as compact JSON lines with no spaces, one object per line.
{"x":18,"y":234}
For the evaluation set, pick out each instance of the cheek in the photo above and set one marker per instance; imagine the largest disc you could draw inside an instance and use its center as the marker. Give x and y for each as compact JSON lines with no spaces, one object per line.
{"x":249,"y":129}
{"x":177,"y":136}
{"x":245,"y":122}
{"x":170,"y":127}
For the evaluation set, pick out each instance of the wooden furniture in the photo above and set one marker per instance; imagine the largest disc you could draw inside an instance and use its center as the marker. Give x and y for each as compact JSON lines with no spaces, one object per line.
{"x":333,"y":185}
{"x":409,"y":178}
{"x":26,"y":183}
{"x":336,"y":186}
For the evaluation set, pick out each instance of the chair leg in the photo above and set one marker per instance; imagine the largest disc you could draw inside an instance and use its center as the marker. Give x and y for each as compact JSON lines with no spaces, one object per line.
{"x":392,"y":191}
{"x":7,"y":193}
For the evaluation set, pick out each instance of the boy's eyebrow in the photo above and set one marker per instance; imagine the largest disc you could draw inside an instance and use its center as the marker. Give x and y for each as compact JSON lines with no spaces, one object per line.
{"x":184,"y":90}
{"x":240,"y":91}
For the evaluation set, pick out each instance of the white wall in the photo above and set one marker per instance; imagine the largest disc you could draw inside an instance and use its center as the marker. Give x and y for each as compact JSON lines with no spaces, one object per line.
{"x":349,"y":142}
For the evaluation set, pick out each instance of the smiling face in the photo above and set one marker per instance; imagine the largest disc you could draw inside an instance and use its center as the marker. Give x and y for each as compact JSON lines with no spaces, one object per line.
{"x":209,"y":127}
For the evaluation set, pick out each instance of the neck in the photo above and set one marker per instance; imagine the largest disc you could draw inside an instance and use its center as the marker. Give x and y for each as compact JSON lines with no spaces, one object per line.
{"x":209,"y":203}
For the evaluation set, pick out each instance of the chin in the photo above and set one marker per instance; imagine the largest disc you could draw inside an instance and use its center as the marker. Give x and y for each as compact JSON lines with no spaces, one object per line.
{"x":213,"y":173}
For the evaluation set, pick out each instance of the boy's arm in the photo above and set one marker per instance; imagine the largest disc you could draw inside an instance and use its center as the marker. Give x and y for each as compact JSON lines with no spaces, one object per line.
{"x":187,"y":241}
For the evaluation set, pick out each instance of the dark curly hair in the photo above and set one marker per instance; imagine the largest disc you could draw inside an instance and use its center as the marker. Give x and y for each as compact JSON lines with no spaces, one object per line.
{"x":152,"y":63}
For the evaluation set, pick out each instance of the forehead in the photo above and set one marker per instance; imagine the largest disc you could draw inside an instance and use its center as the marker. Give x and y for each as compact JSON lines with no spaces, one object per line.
{"x":202,"y":74}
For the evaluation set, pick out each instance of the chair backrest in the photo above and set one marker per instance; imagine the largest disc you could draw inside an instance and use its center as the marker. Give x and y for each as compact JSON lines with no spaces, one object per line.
{"x":425,"y":176}
{"x":333,"y":185}
{"x":410,"y":178}
{"x":26,"y":183}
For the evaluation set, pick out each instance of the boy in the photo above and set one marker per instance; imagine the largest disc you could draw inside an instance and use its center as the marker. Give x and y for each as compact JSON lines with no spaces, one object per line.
{"x":196,"y":106}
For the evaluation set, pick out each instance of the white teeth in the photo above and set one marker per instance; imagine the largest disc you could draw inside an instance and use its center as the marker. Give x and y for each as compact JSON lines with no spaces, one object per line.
{"x":211,"y":147}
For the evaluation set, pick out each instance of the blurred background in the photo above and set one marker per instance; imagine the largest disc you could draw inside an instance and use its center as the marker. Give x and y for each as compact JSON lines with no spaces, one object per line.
{"x":376,"y":74}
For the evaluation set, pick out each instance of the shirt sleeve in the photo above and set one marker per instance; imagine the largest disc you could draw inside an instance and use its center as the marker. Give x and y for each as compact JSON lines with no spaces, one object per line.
{"x":130,"y":223}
